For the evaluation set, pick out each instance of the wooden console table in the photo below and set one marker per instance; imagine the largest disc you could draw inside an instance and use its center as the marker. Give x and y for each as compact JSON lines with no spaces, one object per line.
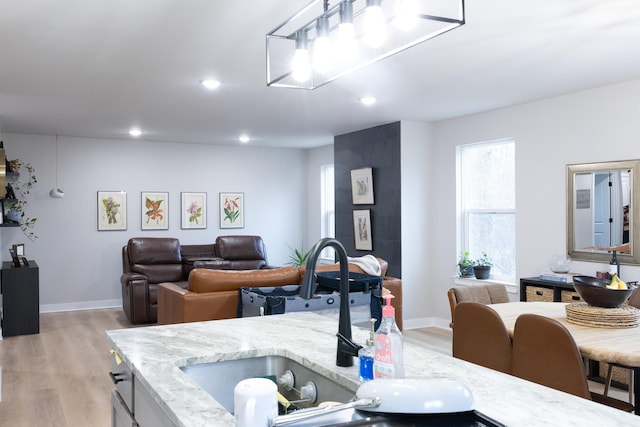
{"x":20,"y":299}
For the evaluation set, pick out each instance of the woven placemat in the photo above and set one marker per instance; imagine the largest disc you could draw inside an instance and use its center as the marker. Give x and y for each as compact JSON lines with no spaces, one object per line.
{"x":584,"y":314}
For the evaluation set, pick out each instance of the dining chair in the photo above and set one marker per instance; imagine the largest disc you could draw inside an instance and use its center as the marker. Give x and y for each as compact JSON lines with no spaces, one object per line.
{"x":634,"y":301}
{"x":480,"y":337}
{"x":492,"y":293}
{"x":544,"y":352}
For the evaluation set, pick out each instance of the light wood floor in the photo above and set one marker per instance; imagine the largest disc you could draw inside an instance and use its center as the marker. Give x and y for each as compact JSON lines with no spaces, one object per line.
{"x":59,"y":377}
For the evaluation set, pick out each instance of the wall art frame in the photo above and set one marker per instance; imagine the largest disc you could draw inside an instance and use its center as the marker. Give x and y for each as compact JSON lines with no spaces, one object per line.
{"x":231,"y":210}
{"x":154,"y":210}
{"x":362,"y":230}
{"x":193,"y":210}
{"x":362,"y":186}
{"x":112,"y":210}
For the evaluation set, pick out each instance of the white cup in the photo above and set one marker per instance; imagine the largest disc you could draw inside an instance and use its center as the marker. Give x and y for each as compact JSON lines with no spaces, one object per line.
{"x":255,"y":402}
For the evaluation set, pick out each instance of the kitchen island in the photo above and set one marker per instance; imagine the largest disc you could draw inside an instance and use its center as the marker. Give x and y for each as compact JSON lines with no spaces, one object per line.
{"x":155,"y":354}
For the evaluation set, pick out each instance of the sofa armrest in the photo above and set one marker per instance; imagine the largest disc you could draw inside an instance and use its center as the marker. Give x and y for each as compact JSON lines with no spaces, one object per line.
{"x":178,"y":305}
{"x":135,"y":297}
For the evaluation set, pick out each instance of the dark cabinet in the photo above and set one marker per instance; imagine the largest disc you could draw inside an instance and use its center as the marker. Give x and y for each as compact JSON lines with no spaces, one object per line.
{"x":20,"y":299}
{"x":534,"y":289}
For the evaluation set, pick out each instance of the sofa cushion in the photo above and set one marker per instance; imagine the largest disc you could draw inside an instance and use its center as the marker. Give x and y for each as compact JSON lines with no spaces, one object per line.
{"x":204,"y":280}
{"x":240,"y":248}
{"x":154,"y":251}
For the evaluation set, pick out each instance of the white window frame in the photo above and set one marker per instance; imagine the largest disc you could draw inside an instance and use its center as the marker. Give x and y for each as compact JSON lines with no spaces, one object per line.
{"x":327,"y":209}
{"x":463,"y":213}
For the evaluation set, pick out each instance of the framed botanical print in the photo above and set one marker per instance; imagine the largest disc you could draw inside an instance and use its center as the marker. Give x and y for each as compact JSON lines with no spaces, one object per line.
{"x":231,"y":210}
{"x":112,"y":210}
{"x":362,"y":230}
{"x":155,"y":210}
{"x":194,"y":210}
{"x":362,"y":186}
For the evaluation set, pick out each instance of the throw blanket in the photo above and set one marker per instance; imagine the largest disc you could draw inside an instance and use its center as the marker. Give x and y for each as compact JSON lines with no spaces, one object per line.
{"x":368,"y":263}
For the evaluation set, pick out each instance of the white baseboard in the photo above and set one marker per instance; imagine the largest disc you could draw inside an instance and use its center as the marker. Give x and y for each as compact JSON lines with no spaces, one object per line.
{"x":425,"y":322}
{"x":85,"y":305}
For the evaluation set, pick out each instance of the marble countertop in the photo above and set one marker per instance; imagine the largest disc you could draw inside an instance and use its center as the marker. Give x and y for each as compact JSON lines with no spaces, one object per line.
{"x":156,"y":353}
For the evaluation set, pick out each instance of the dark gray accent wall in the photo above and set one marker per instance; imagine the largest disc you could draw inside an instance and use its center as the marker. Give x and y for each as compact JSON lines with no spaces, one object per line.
{"x":379,"y":149}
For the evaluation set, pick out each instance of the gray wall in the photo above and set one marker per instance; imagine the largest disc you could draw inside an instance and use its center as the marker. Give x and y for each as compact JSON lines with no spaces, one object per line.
{"x":80,"y":267}
{"x":379,"y":149}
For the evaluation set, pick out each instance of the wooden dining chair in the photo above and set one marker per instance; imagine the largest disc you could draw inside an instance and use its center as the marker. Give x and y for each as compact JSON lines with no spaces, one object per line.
{"x":480,"y":337}
{"x":634,"y":301}
{"x":544,"y":352}
{"x":492,"y":293}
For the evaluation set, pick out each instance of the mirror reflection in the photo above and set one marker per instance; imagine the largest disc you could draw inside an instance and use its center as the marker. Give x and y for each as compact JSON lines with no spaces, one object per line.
{"x":601,"y":219}
{"x":600,"y":211}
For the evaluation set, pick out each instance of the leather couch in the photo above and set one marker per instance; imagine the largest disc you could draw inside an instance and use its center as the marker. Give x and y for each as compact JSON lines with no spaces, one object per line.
{"x":147,"y":261}
{"x":213,"y":294}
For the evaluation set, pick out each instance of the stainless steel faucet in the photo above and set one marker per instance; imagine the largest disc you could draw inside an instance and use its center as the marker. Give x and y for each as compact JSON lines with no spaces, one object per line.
{"x":347,"y":349}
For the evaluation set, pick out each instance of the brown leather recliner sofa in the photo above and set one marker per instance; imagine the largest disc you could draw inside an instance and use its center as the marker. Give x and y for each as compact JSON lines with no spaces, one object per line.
{"x":213,"y":294}
{"x":147,"y":261}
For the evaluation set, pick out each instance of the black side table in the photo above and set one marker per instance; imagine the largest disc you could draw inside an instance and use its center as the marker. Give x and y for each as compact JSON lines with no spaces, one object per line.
{"x":20,"y":299}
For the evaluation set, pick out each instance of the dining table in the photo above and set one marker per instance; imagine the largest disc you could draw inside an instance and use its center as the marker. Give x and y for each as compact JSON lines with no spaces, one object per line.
{"x":603,"y":344}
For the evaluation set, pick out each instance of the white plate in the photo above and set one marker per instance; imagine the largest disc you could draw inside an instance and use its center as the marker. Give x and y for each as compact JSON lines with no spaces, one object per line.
{"x":417,"y":396}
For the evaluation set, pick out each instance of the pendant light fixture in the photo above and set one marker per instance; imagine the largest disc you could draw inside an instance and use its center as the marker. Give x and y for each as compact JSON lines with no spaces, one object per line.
{"x":323,"y":42}
{"x":56,"y":193}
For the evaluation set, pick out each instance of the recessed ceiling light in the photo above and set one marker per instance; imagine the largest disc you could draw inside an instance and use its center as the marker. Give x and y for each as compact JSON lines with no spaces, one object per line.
{"x":244,"y":139}
{"x":368,"y":100}
{"x":135,"y":132}
{"x":210,"y":84}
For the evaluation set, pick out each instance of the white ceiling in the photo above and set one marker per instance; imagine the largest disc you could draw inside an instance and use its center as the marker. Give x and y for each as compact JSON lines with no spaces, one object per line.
{"x":94,"y":68}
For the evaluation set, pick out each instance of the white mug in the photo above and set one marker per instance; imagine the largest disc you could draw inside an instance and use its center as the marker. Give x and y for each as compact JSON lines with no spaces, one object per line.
{"x":255,"y":402}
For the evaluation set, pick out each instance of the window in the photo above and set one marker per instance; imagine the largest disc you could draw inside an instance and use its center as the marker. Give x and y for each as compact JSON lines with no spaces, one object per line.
{"x":327,"y":205}
{"x":486,"y":200}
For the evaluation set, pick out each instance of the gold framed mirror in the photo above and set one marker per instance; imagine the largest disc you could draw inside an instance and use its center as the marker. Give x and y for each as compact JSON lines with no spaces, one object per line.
{"x":602,"y":211}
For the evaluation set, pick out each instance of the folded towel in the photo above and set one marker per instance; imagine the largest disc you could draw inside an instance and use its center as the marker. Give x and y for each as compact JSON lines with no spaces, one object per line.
{"x":368,"y":263}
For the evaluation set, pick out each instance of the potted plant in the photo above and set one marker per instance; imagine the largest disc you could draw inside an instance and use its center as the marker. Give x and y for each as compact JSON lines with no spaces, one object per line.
{"x":465,"y":265}
{"x":16,"y":203}
{"x":298,"y":258}
{"x":482,"y":267}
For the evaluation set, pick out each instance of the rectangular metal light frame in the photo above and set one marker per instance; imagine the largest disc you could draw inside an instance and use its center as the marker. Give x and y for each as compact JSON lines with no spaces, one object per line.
{"x":305,"y":20}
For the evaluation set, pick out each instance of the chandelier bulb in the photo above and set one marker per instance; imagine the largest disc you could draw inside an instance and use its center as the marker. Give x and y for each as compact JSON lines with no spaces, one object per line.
{"x":322,"y":60}
{"x":375,"y":30}
{"x":301,"y":67}
{"x":346,"y":41}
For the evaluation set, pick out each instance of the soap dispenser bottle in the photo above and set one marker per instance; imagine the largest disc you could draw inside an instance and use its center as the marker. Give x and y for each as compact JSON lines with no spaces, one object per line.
{"x":366,"y":355}
{"x":388,"y":358}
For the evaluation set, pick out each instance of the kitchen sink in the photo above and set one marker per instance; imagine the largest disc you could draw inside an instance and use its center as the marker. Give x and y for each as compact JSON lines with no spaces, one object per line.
{"x":220,"y":378}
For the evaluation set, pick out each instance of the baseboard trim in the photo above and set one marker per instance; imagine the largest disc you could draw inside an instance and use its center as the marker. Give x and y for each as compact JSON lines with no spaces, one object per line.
{"x":425,"y":322}
{"x":76,"y":306}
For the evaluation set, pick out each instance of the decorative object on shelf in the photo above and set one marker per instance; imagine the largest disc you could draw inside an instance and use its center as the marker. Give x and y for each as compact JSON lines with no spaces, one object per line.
{"x":560,"y":263}
{"x":194,"y":210}
{"x":14,"y":166}
{"x":323,"y":42}
{"x":482,"y":267}
{"x":112,"y":210}
{"x":614,"y":264}
{"x":19,"y":248}
{"x":362,"y":230}
{"x":231,"y":210}
{"x":155,"y":210}
{"x":16,"y":200}
{"x":465,"y":265}
{"x":362,"y":186}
